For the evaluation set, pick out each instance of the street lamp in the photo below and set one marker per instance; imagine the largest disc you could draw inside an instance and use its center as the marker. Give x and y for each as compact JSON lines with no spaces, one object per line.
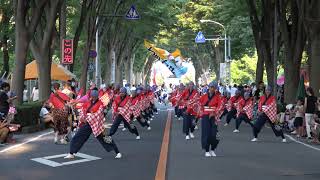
{"x":225,"y":43}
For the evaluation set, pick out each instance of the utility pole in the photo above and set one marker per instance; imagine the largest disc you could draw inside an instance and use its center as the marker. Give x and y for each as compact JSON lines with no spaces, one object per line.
{"x":275,"y":45}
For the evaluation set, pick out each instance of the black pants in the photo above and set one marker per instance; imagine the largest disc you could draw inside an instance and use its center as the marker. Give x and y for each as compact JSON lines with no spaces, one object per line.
{"x":188,"y":125}
{"x":176,"y":110}
{"x":262,"y":119}
{"x":231,"y":114}
{"x":225,"y":112}
{"x":83,"y":135}
{"x":242,"y":117}
{"x":145,"y":115}
{"x":116,"y":123}
{"x":209,"y":131}
{"x":142,"y":122}
{"x":179,"y":112}
{"x":154,"y":108}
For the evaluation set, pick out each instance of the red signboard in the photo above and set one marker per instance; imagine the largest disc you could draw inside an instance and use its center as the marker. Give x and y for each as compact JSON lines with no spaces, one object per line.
{"x":67,"y":51}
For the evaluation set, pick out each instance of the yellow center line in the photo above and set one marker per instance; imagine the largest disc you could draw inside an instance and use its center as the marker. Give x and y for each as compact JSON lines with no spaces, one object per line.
{"x":162,"y":163}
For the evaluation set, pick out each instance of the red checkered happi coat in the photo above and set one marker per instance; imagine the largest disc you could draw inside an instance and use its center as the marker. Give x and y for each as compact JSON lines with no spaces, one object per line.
{"x":245,"y":107}
{"x":135,"y":107}
{"x":105,"y":99}
{"x":95,"y":120}
{"x":123,"y":108}
{"x":271,"y":111}
{"x":222,"y":106}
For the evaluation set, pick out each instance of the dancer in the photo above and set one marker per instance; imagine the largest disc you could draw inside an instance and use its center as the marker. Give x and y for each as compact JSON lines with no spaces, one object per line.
{"x":136,"y":109}
{"x":180,"y":104}
{"x":121,"y":113}
{"x":190,"y":97}
{"x":92,"y":121}
{"x":267,"y":113}
{"x":222,"y":107}
{"x":244,"y":111}
{"x":209,"y":106}
{"x":60,"y":112}
{"x":231,"y":107}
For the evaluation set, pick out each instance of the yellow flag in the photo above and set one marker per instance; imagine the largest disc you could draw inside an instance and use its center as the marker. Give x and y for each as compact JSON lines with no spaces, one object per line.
{"x":158,"y":51}
{"x":176,"y":53}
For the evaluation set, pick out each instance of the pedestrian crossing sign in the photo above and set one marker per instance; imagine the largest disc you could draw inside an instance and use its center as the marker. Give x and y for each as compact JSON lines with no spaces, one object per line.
{"x":132,"y":14}
{"x":200,"y":38}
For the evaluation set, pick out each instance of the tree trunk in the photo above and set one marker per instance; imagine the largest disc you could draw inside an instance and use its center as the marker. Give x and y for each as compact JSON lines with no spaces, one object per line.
{"x":91,"y":29}
{"x":127,"y":70}
{"x":137,"y":79}
{"x":44,"y":67}
{"x":315,"y":64}
{"x":119,"y":74}
{"x":5,"y":68}
{"x":132,"y":59}
{"x":260,"y":68}
{"x":292,"y":77}
{"x":22,"y":34}
{"x":107,"y":68}
{"x":21,"y":49}
{"x":266,"y":53}
{"x":310,"y":12}
{"x":293,"y":34}
{"x":84,"y":67}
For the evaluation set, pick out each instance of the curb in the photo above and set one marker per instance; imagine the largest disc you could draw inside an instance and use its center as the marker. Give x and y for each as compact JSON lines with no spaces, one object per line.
{"x":32,"y":129}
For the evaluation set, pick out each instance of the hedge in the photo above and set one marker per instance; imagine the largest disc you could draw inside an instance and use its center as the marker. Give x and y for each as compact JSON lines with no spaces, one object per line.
{"x":28,"y":114}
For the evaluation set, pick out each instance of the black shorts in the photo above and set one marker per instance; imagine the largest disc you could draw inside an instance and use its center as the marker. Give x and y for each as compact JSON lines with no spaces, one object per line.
{"x":298,"y":122}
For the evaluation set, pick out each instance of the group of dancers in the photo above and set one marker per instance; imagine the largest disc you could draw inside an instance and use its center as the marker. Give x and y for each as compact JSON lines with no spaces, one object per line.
{"x":138,"y":105}
{"x":91,"y":110}
{"x":210,"y":107}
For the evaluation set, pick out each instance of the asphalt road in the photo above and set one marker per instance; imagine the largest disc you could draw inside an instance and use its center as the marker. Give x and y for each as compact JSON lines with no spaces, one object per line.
{"x":238,"y":158}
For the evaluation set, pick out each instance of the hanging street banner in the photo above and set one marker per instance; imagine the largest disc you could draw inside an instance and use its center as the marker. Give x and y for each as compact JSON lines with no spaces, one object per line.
{"x":67,"y":51}
{"x":132,"y":14}
{"x":173,"y":61}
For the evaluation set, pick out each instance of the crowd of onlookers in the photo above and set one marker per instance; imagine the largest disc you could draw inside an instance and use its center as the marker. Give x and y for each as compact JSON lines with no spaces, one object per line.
{"x":7,"y":111}
{"x":303,"y":118}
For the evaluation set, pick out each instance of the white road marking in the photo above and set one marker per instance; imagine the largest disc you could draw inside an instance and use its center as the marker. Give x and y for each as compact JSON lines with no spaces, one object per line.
{"x":168,"y":109}
{"x":30,"y":140}
{"x":307,"y":145}
{"x":108,"y":126}
{"x":46,"y":161}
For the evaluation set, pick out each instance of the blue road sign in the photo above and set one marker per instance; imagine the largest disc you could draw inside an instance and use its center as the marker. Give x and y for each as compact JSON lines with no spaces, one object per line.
{"x":200,"y":38}
{"x":92,"y":54}
{"x":132,"y":14}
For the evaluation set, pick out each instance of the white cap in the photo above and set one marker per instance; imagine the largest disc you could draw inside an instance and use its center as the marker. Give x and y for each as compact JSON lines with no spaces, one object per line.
{"x":133,"y":89}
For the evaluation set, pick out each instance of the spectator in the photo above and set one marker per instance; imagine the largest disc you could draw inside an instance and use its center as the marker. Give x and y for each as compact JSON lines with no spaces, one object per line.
{"x":25,"y":93}
{"x":45,"y":114}
{"x":4,"y":110}
{"x":310,"y":105}
{"x":67,"y":90}
{"x":233,"y":90}
{"x":35,"y":93}
{"x":298,"y":121}
{"x":316,"y":129}
{"x":260,"y":90}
